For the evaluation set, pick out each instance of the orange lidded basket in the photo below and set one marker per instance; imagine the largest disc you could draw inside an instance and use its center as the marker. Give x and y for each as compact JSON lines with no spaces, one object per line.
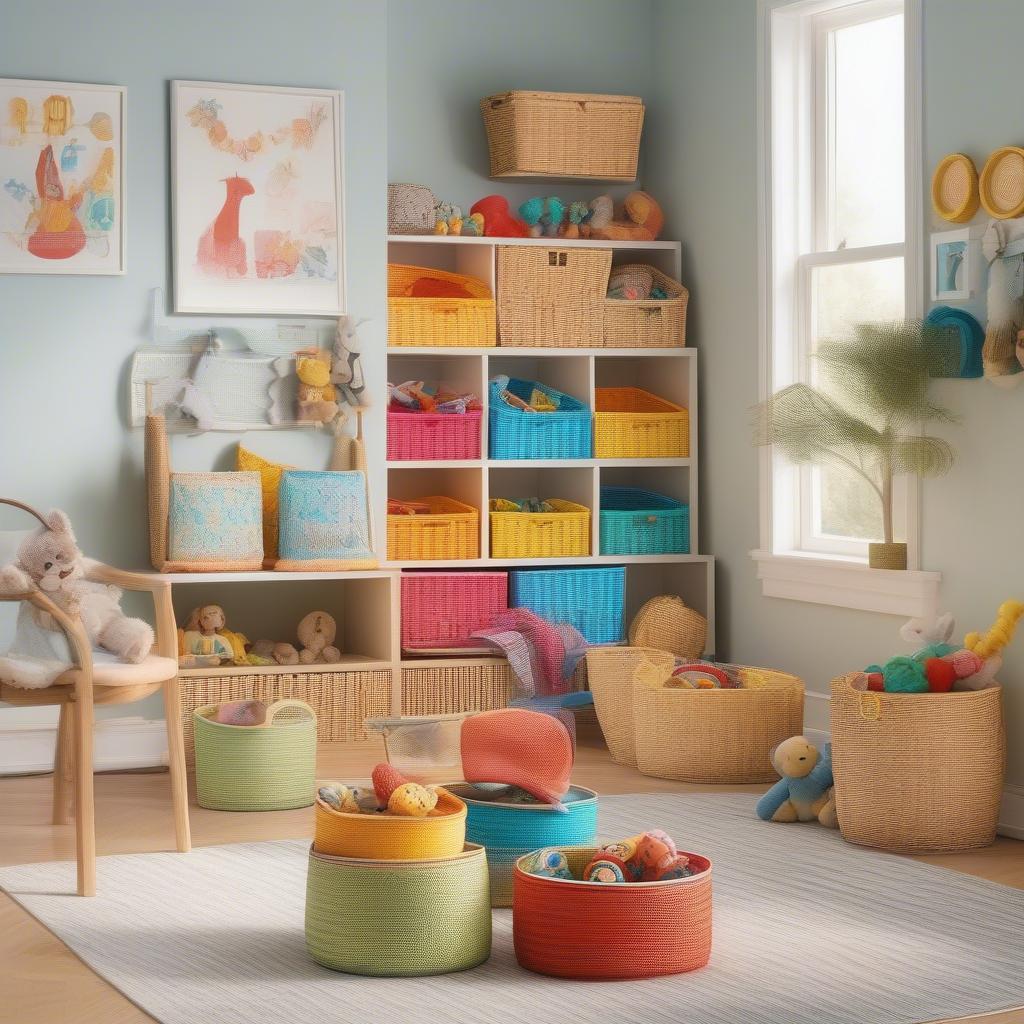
{"x":572,"y":929}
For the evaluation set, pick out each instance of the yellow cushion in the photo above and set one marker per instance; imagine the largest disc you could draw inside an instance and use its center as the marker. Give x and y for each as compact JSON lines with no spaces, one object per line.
{"x":270,"y":481}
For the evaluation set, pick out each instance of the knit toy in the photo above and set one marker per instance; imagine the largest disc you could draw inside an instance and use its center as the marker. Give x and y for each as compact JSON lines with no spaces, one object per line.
{"x":579,"y":214}
{"x":548,"y":863}
{"x":412,"y":800}
{"x":640,"y":218}
{"x":805,"y":791}
{"x":543,"y":216}
{"x":386,"y":779}
{"x":241,"y":712}
{"x":340,"y":797}
{"x":316,"y":632}
{"x":499,"y":221}
{"x":316,"y":393}
{"x":649,"y":857}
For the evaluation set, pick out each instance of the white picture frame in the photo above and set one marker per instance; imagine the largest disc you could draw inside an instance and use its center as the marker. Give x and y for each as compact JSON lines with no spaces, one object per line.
{"x":79,"y":227}
{"x":283,"y":252}
{"x":955,"y":265}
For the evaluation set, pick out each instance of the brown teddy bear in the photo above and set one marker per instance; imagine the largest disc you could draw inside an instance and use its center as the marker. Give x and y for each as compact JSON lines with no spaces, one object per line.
{"x":316,"y":632}
{"x":640,"y":219}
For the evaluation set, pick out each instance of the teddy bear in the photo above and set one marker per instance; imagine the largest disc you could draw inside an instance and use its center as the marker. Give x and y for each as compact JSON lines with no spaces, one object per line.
{"x":203,"y":642}
{"x":640,"y":219}
{"x":316,"y":635}
{"x":805,"y":791}
{"x":317,"y":397}
{"x":49,"y":560}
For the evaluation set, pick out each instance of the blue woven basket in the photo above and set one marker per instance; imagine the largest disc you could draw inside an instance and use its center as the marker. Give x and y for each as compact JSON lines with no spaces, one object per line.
{"x":509,"y":831}
{"x":514,"y":434}
{"x":589,"y":599}
{"x":637,"y":522}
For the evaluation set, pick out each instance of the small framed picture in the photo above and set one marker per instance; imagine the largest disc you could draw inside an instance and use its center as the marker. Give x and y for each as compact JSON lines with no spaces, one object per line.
{"x":956,"y":265}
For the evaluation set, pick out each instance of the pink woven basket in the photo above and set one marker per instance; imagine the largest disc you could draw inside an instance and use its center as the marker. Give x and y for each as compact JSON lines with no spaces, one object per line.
{"x":440,"y":610}
{"x":433,"y":435}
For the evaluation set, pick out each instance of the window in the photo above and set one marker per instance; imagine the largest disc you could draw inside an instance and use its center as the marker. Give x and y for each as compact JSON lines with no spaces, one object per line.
{"x":840,"y":216}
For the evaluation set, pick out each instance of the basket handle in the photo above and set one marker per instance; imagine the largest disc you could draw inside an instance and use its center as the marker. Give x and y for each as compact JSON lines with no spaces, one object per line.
{"x":870,"y":706}
{"x":283,"y":705}
{"x":14,"y":503}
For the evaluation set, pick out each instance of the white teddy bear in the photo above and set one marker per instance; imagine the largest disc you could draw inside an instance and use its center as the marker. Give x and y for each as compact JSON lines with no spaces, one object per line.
{"x":49,"y":560}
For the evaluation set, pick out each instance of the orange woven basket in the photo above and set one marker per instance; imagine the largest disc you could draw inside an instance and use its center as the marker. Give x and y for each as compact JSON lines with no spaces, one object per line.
{"x":572,"y":929}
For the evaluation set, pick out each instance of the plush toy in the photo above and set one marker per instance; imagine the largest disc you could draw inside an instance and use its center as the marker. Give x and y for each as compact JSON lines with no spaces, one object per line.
{"x":412,"y":800}
{"x":285,"y":654}
{"x":543,"y":216}
{"x":498,"y":219}
{"x":648,"y":857}
{"x":241,"y":712}
{"x":317,"y":397}
{"x":202,"y":642}
{"x":639,"y":220}
{"x":805,"y":791}
{"x":1001,"y":247}
{"x":49,"y":560}
{"x":447,"y":219}
{"x":340,"y":797}
{"x":316,"y":635}
{"x":347,"y":366}
{"x":579,"y":214}
{"x":548,"y":863}
{"x":386,"y":779}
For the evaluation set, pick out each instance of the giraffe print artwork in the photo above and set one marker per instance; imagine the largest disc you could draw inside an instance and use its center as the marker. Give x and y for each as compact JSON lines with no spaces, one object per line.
{"x":257,"y":199}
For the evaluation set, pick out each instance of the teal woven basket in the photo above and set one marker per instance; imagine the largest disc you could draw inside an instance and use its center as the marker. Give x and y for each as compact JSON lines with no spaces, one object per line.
{"x":269,"y":767}
{"x":589,"y":599}
{"x":509,"y":831}
{"x":398,"y":918}
{"x":638,"y":522}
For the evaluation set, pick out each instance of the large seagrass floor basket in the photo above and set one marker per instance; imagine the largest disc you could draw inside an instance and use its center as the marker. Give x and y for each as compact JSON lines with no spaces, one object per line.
{"x":398,"y":918}
{"x":917,"y":772}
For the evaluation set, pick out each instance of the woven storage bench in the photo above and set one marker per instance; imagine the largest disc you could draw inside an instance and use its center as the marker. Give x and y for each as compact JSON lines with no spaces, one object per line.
{"x":717,"y":736}
{"x":638,"y":522}
{"x":440,"y":610}
{"x":510,"y":831}
{"x":450,"y":530}
{"x":391,"y":836}
{"x":917,"y":772}
{"x":589,"y":599}
{"x":552,"y":297}
{"x":433,"y":435}
{"x":565,"y":532}
{"x":398,"y":918}
{"x":563,"y":134}
{"x":514,"y":434}
{"x":647,"y":323}
{"x":573,"y":929}
{"x":442,"y":323}
{"x":257,"y":768}
{"x":630,"y":423}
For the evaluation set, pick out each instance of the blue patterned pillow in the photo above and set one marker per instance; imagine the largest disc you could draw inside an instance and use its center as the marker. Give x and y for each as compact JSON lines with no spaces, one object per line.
{"x":215,"y":517}
{"x":323,"y":516}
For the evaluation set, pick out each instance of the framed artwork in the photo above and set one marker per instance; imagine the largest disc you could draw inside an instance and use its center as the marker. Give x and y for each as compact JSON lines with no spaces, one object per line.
{"x":62,"y":195}
{"x":956,"y":264}
{"x":258,"y":199}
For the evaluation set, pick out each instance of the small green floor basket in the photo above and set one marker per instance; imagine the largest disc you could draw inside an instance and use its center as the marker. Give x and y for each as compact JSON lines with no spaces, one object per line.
{"x":270,"y":767}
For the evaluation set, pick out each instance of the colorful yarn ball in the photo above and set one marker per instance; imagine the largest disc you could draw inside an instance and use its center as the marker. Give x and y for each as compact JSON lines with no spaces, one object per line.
{"x":412,"y":800}
{"x":605,"y":868}
{"x":904,"y":675}
{"x":941,"y":675}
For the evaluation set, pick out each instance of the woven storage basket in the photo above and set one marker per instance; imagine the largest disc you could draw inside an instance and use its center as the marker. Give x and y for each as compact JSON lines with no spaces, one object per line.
{"x":638,"y":522}
{"x":391,"y":836}
{"x":630,"y":423}
{"x":717,"y":736}
{"x":442,"y":323}
{"x":565,"y":532}
{"x":440,"y":610}
{"x":433,"y":435}
{"x":610,"y":674}
{"x":510,"y":831}
{"x":450,"y":530}
{"x":590,"y":599}
{"x":514,"y":434}
{"x":666,"y":624}
{"x":398,"y":918}
{"x":410,"y":209}
{"x":647,"y":323}
{"x":552,"y":297}
{"x":256,"y":768}
{"x":573,"y":929}
{"x":341,"y":700}
{"x":917,"y":773}
{"x":563,"y":134}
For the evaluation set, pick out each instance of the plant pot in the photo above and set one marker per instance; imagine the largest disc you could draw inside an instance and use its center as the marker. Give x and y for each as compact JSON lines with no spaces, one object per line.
{"x":887,"y":556}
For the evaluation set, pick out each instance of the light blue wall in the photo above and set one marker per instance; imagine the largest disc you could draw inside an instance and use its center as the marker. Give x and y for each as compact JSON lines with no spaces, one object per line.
{"x":701,"y":153}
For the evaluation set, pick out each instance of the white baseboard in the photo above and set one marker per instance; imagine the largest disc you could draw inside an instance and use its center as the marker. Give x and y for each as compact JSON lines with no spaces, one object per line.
{"x":28,"y":742}
{"x":1011,"y":811}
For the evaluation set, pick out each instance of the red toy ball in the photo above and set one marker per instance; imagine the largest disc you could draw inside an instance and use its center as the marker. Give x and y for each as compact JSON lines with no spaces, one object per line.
{"x":941,"y":675}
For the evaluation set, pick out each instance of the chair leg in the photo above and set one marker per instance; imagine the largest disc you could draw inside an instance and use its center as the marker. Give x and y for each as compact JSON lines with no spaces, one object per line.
{"x":63,"y":765}
{"x":176,"y":759}
{"x":85,"y":815}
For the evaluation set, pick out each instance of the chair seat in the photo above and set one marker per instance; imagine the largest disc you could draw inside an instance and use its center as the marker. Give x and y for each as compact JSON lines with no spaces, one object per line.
{"x":16,"y":672}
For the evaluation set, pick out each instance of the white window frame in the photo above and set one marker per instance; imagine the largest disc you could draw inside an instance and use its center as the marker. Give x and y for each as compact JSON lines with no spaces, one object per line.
{"x":790,"y":132}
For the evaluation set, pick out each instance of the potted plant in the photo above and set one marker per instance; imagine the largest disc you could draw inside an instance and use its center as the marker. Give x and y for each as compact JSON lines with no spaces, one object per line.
{"x":867,"y":414}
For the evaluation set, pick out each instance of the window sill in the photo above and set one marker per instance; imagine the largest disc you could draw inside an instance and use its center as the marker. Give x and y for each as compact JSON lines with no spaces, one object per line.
{"x":848,"y":583}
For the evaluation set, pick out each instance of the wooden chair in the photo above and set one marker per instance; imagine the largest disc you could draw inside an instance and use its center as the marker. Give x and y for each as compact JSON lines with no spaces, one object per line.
{"x":90,"y":682}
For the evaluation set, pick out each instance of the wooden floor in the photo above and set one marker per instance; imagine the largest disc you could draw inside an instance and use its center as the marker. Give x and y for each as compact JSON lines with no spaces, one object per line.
{"x":42,"y":982}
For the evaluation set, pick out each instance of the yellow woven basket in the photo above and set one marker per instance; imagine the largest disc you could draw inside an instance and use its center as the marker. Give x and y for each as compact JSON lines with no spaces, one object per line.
{"x":717,"y":736}
{"x":452,"y":323}
{"x":917,"y":773}
{"x":450,"y":530}
{"x":562,"y":533}
{"x":392,"y":836}
{"x":630,"y":423}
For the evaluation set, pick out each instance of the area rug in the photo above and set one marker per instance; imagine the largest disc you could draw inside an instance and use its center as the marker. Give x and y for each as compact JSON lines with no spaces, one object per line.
{"x":807,"y":930}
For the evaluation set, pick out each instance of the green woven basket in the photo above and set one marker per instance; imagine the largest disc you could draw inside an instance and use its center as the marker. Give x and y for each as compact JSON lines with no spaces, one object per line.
{"x":398,"y":918}
{"x":257,"y":768}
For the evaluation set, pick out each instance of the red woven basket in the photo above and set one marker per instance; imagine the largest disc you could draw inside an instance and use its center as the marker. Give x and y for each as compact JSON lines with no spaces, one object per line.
{"x":572,"y":929}
{"x":433,"y":435}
